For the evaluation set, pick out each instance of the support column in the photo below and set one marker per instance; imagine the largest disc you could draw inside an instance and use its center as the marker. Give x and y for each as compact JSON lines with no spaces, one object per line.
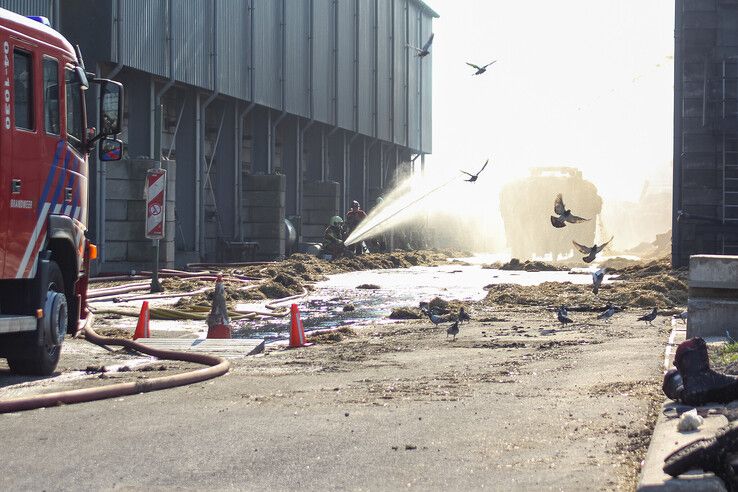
{"x":290,"y":163}
{"x":260,"y":125}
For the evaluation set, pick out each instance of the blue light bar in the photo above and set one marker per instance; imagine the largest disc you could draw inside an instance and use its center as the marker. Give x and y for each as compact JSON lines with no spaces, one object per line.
{"x":40,"y":18}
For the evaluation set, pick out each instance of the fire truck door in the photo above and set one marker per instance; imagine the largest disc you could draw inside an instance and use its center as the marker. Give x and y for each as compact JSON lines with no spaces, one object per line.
{"x":32,"y":164}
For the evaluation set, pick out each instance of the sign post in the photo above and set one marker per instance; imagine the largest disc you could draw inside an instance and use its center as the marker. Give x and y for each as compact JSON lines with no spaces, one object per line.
{"x":155,"y":193}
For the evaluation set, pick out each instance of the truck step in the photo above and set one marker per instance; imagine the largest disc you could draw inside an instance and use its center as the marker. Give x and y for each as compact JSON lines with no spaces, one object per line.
{"x":12,"y":323}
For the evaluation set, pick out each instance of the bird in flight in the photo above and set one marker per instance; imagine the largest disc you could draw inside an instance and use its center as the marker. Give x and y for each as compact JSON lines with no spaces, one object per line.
{"x":564,"y":215}
{"x":425,"y":50}
{"x":473,"y":177}
{"x":480,"y":70}
{"x":590,"y":252}
{"x":649,"y":317}
{"x":597,"y":278}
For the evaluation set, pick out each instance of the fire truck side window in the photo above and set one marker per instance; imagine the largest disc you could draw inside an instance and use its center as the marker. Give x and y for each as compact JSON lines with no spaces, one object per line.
{"x":23,"y":88}
{"x":73,"y":98}
{"x":51,"y":96}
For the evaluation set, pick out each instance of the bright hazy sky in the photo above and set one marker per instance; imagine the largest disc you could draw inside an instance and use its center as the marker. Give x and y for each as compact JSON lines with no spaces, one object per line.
{"x":587,"y":83}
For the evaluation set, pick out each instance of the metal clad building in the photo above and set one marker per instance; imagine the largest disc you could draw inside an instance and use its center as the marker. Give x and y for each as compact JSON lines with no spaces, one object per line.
{"x":312,"y":89}
{"x":705,"y":129}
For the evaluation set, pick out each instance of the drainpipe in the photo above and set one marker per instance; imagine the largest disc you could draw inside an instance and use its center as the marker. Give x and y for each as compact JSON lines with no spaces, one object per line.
{"x":57,"y":14}
{"x":676,"y":206}
{"x":199,"y":195}
{"x":118,"y":36}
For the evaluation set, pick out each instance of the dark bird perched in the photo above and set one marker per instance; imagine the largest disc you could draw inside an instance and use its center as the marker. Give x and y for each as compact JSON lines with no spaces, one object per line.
{"x":425,"y":50}
{"x":463,"y":316}
{"x":682,"y":316}
{"x":597,"y":278}
{"x":649,"y":317}
{"x":473,"y":177}
{"x":453,"y":329}
{"x":590,"y":252}
{"x":480,"y":70}
{"x":436,"y":320}
{"x":564,"y":215}
{"x":561,"y":314}
{"x":607,"y":314}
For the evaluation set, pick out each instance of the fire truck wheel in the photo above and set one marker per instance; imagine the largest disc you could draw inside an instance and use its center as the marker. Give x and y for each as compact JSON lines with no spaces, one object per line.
{"x":36,"y":357}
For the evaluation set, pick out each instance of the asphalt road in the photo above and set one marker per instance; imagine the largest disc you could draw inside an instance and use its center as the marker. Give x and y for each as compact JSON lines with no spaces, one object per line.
{"x":514,"y":403}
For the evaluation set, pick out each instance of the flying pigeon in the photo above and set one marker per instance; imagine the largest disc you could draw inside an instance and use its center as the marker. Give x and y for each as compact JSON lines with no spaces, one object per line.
{"x":473,"y":177}
{"x":564,"y":215}
{"x":648,"y":317}
{"x":425,"y":50}
{"x":561,"y":314}
{"x":597,"y":278}
{"x":607,"y":314}
{"x":590,"y":252}
{"x":436,"y":320}
{"x":463,"y":316}
{"x":453,"y":329}
{"x":480,"y":70}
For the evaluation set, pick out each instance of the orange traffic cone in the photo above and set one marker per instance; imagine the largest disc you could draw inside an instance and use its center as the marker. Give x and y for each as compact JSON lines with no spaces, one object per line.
{"x":142,"y":328}
{"x":297,"y":331}
{"x":218,"y":322}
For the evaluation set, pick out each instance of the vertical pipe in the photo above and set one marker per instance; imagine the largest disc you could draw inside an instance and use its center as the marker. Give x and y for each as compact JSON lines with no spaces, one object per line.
{"x":381,"y":168}
{"x":323,"y":165}
{"x":375,"y":62}
{"x":363,"y":171}
{"x":407,"y":75}
{"x":346,"y":151}
{"x":392,"y":73}
{"x":356,"y":65}
{"x":236,"y":170}
{"x":676,"y":248}
{"x":198,"y":167}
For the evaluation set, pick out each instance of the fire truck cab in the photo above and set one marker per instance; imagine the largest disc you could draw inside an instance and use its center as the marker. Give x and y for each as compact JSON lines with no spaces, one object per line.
{"x":44,"y":145}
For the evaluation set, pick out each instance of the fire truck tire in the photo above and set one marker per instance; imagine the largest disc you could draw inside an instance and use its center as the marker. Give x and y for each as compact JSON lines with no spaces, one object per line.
{"x":31,"y":356}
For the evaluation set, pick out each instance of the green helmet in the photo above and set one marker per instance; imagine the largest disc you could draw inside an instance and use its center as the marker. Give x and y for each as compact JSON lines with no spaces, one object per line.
{"x":336,"y":220}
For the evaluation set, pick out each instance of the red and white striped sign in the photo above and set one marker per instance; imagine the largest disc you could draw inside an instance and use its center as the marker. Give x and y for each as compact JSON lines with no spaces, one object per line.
{"x":156,"y":198}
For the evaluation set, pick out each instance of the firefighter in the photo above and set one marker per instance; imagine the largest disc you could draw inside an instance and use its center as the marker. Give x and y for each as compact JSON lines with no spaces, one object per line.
{"x":353,"y":217}
{"x":333,"y":238}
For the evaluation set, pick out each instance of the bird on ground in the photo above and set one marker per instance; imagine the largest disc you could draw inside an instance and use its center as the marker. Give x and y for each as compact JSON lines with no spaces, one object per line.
{"x":591,"y":252}
{"x":681,"y":316}
{"x":607,"y":314}
{"x":425,"y":50}
{"x":597,"y":278}
{"x":564,"y":215}
{"x":473,"y":177}
{"x":453,"y":329}
{"x":561,"y":314}
{"x":649,"y":317}
{"x":435,"y":319}
{"x":463,"y":316}
{"x":480,"y":70}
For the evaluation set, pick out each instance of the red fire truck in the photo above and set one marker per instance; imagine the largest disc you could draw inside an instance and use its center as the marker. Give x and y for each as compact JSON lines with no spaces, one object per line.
{"x":44,"y":145}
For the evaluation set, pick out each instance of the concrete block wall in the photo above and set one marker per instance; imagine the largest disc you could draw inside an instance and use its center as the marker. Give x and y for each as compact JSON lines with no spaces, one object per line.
{"x":263,"y":214}
{"x":126,"y":247}
{"x":321,"y":201}
{"x":713,"y":296}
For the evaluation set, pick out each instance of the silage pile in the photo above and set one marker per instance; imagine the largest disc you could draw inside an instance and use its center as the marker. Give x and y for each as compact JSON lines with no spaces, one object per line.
{"x":643,"y":286}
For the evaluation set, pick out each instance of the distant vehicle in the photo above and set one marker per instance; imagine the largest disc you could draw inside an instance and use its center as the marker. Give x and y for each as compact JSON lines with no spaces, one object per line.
{"x":44,"y":144}
{"x":526,"y":204}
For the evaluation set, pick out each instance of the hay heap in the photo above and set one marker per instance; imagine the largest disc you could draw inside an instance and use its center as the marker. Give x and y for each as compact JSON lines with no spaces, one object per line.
{"x":526,"y":266}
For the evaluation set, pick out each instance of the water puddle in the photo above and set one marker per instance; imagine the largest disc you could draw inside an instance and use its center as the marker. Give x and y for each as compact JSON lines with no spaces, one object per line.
{"x":324,"y":307}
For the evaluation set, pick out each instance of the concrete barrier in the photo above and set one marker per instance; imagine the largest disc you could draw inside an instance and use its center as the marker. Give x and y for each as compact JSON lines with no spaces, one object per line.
{"x":713,"y":296}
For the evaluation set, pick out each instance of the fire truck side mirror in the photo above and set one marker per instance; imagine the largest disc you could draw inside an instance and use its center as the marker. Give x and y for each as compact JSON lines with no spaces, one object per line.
{"x":111,"y":107}
{"x":111,"y":149}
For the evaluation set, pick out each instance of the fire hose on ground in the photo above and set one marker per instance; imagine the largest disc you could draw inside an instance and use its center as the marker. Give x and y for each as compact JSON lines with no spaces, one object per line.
{"x":218,"y":367}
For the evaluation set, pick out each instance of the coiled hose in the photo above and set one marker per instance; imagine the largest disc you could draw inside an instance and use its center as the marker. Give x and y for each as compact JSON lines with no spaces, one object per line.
{"x":218,"y":367}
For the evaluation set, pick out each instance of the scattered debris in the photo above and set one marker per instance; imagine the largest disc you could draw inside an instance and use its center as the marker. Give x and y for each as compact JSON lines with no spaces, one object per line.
{"x":689,"y":421}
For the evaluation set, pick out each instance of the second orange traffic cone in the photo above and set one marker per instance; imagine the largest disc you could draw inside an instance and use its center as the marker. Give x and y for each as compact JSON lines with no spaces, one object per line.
{"x":142,"y":328}
{"x":297,"y":330}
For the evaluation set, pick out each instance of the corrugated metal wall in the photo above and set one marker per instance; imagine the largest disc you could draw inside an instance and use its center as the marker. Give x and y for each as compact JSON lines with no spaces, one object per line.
{"x":143,"y":35}
{"x":400,"y":72}
{"x":193,"y":41}
{"x":297,"y":70}
{"x":268,"y":52}
{"x":30,"y":7}
{"x":233,"y":48}
{"x":324,"y":55}
{"x":384,"y":70}
{"x":347,"y":57}
{"x":390,"y":97}
{"x":367,"y":35}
